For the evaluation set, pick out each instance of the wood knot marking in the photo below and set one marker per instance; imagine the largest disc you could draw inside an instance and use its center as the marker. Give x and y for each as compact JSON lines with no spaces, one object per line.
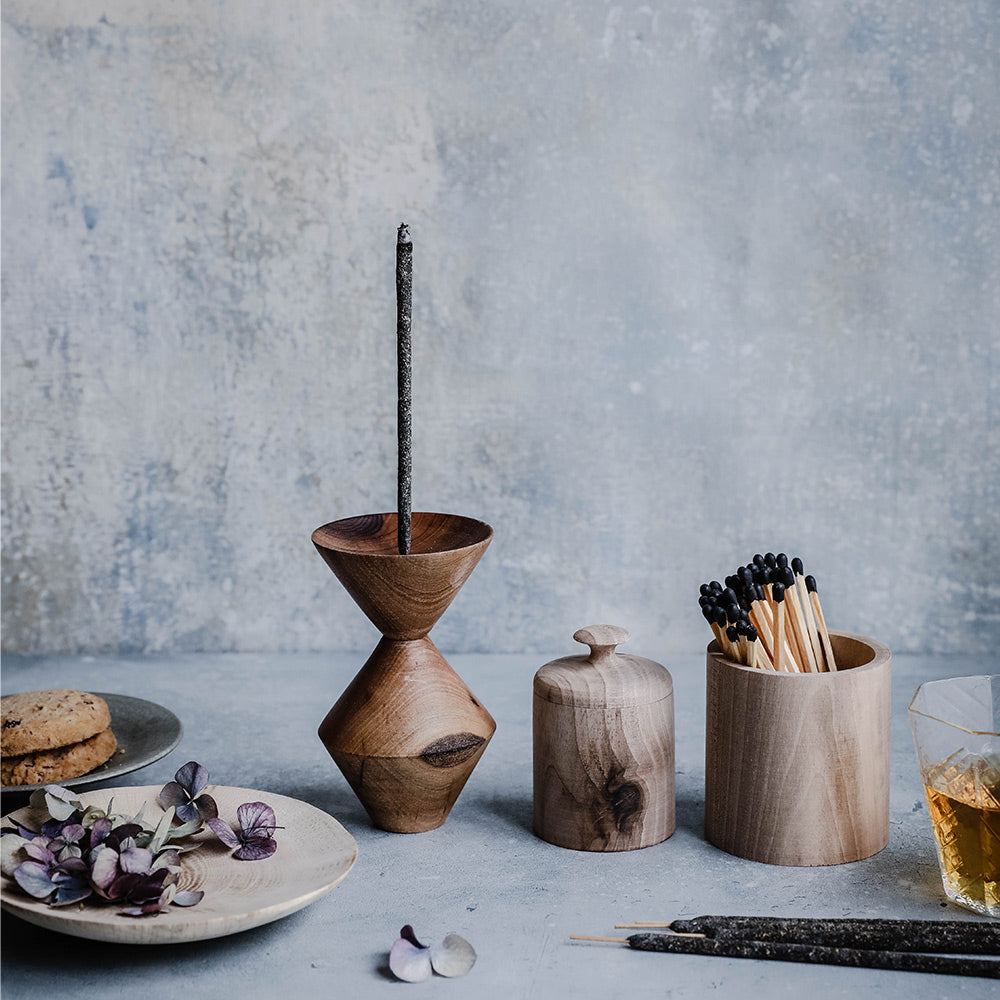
{"x":449,"y":751}
{"x":626,"y":803}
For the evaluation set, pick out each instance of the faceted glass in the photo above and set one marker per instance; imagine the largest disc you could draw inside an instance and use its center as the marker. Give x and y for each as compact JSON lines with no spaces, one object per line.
{"x":956,"y":728}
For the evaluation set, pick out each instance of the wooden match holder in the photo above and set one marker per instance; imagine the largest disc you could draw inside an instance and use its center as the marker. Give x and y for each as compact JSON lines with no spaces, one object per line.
{"x":407,"y":732}
{"x":603,"y":748}
{"x":797,"y":764}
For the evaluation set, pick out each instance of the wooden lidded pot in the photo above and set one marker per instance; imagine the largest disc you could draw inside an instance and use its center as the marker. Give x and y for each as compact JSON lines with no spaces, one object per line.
{"x":603,"y":748}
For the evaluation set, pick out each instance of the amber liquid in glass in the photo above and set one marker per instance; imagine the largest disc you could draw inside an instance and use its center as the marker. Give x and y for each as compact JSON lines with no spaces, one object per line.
{"x":966,"y":818}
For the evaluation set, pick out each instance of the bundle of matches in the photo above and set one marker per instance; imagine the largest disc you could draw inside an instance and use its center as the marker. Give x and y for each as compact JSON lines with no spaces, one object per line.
{"x":768,"y":615}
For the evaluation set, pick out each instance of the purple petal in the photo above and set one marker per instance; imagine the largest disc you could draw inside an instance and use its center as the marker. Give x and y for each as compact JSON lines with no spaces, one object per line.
{"x":187,"y":812}
{"x":207,"y":808}
{"x":72,"y":866}
{"x":120,"y":834}
{"x":99,"y":831}
{"x":34,"y":879}
{"x":224,"y":832}
{"x":408,"y":934}
{"x":171,"y":794}
{"x":73,"y":891}
{"x":256,"y":849}
{"x":256,"y":819}
{"x":104,"y":868}
{"x":138,"y":889}
{"x":135,"y":860}
{"x":409,"y":963}
{"x":37,"y":850}
{"x":73,"y":832}
{"x":192,"y":777}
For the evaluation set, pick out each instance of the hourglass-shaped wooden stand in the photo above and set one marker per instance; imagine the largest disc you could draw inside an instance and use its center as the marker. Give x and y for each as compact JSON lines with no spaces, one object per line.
{"x":407,"y":732}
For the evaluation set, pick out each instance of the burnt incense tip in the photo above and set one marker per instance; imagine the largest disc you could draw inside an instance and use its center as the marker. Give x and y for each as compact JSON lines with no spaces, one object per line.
{"x":778,"y":592}
{"x":403,"y":234}
{"x":811,"y":584}
{"x":797,"y":566}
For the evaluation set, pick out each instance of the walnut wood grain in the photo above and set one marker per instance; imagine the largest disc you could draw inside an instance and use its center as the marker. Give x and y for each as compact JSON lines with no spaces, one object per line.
{"x":797,"y":764}
{"x":603,"y":751}
{"x":407,"y":732}
{"x":403,"y":596}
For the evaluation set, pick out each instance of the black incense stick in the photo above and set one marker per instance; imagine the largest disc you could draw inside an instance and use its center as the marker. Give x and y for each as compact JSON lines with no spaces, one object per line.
{"x":404,"y":298}
{"x":963,"y":937}
{"x":900,"y":961}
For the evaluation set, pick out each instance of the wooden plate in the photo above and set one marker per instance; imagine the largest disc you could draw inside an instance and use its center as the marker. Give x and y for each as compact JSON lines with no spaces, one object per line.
{"x":314,"y":853}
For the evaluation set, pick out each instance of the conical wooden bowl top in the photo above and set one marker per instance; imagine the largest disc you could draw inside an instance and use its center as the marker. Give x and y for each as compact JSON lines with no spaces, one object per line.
{"x":403,"y":596}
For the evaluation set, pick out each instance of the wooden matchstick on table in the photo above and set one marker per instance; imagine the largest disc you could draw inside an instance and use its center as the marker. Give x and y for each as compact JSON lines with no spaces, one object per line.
{"x":821,"y":623}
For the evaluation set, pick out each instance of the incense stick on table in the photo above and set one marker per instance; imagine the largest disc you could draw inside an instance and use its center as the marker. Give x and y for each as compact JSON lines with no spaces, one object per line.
{"x":731,"y":947}
{"x":744,"y":943}
{"x":404,"y":296}
{"x":957,"y":937}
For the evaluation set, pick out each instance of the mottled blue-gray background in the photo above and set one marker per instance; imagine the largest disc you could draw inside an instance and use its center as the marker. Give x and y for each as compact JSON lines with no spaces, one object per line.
{"x":692,"y":280}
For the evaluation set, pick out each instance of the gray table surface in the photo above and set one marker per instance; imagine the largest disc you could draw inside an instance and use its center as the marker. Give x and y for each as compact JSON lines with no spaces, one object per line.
{"x":251,"y":719}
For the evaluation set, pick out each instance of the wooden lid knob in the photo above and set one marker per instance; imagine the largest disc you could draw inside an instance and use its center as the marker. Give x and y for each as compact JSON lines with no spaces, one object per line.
{"x":602,"y":640}
{"x":604,"y":679}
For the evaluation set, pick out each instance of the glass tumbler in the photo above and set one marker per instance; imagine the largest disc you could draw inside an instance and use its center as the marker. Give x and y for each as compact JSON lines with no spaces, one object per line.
{"x":956,"y":728}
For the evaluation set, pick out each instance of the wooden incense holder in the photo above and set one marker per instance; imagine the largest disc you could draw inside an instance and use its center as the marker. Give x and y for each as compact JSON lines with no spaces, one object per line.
{"x":603,"y":748}
{"x":797,"y":765}
{"x":407,"y":732}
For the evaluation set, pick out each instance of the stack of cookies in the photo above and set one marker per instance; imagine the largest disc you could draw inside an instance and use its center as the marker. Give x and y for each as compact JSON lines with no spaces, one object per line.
{"x":52,"y":736}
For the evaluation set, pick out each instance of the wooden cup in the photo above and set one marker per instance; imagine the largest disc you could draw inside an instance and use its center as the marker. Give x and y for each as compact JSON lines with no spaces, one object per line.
{"x":797,"y":765}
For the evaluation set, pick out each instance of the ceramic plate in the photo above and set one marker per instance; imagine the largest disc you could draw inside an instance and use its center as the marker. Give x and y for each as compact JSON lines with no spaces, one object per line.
{"x":314,"y":853}
{"x":145,"y":732}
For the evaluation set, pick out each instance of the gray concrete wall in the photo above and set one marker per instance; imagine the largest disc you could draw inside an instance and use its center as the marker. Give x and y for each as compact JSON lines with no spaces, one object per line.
{"x":692,"y":280}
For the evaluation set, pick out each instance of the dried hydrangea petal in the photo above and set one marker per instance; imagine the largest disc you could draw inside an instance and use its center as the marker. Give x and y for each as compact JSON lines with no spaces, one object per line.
{"x":34,"y":879}
{"x":454,"y":956}
{"x":12,"y":855}
{"x":409,"y":963}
